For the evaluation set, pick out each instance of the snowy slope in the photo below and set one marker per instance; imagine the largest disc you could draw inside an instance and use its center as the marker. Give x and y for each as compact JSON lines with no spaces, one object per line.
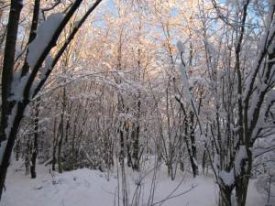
{"x":85,"y":187}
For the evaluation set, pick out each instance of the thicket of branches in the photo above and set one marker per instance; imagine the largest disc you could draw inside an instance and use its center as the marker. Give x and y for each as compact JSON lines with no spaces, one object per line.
{"x":121,"y":91}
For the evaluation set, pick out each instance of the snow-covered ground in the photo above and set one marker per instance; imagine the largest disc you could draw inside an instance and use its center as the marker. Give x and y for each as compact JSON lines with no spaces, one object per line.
{"x":84,"y":187}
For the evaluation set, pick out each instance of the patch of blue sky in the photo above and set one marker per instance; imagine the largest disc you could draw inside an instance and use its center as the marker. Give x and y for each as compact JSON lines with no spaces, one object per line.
{"x":174,"y":12}
{"x":108,"y":7}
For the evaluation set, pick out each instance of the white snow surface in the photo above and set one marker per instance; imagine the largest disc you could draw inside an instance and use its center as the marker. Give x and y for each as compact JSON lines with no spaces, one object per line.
{"x":44,"y":34}
{"x":85,"y":187}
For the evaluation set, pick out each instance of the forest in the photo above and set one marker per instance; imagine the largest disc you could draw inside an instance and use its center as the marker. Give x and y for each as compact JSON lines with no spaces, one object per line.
{"x":153,"y":101}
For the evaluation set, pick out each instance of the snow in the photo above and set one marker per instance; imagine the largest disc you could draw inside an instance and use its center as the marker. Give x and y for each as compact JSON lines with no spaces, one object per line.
{"x":180,"y":46}
{"x":48,"y":62}
{"x":227,"y":177}
{"x":18,"y":86}
{"x":185,"y":82}
{"x":240,"y":156}
{"x":11,"y":119}
{"x":87,"y":187}
{"x":44,"y":34}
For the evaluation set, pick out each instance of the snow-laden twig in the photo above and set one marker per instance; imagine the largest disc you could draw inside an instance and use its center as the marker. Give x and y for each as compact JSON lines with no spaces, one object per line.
{"x":188,"y":89}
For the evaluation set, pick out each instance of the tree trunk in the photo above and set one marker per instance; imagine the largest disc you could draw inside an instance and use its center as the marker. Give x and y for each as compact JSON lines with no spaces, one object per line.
{"x":136,"y":133}
{"x":242,"y":180}
{"x":27,"y":154}
{"x":59,"y":146}
{"x":54,"y":146}
{"x":8,"y":138}
{"x":204,"y":164}
{"x":35,"y":142}
{"x":190,"y":148}
{"x":225,"y":196}
{"x":17,"y":150}
{"x":194,"y":164}
{"x":9,"y":146}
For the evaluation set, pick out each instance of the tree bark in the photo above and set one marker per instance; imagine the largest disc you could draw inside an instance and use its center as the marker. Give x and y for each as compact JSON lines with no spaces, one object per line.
{"x":225,"y":196}
{"x":7,"y":76}
{"x":35,"y":142}
{"x":242,"y":181}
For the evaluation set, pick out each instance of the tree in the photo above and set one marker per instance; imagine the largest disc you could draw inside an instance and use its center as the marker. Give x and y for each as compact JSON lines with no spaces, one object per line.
{"x":243,"y":100}
{"x":19,"y":87}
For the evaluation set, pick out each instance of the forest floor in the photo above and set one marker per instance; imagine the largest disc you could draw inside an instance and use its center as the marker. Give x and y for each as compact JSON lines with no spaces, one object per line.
{"x":85,"y":187}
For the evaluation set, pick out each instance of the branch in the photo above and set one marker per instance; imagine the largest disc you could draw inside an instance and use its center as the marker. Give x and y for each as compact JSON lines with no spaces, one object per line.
{"x":268,"y":38}
{"x":65,"y":45}
{"x":8,"y":64}
{"x":47,"y":50}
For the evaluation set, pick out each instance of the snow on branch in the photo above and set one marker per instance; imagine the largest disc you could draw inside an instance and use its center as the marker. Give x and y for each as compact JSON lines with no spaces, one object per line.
{"x":17,"y":87}
{"x":185,"y":81}
{"x":241,"y":155}
{"x":227,"y":178}
{"x":44,"y":35}
{"x":265,"y":45}
{"x":11,"y":119}
{"x":67,"y":42}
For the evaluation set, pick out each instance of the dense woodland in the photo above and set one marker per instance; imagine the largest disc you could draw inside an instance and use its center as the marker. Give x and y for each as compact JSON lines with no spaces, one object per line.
{"x":110,"y":84}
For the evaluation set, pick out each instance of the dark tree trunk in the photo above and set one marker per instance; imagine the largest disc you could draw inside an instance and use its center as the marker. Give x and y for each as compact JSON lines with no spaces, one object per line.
{"x":225,"y":196}
{"x":108,"y":156}
{"x":128,"y":143}
{"x":136,"y":154}
{"x":242,"y":180}
{"x":9,"y":146}
{"x":191,"y":149}
{"x":189,"y":138}
{"x":27,"y":154}
{"x":54,"y":146}
{"x":59,"y":145}
{"x":204,"y":162}
{"x":35,"y":142}
{"x":17,"y":150}
{"x":136,"y":134}
{"x":121,"y":139}
{"x":54,"y":157}
{"x":193,"y":146}
{"x":61,"y":131}
{"x":129,"y":156}
{"x":8,"y":138}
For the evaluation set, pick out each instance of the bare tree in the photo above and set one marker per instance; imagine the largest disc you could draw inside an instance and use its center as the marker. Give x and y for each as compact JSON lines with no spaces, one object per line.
{"x":25,"y":79}
{"x":246,"y":96}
